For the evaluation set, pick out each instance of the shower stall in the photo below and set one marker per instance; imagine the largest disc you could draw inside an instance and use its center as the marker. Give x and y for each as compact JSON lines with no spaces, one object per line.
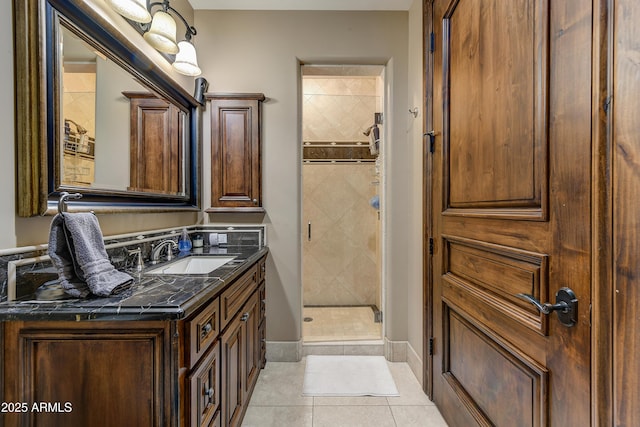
{"x":341,"y":175}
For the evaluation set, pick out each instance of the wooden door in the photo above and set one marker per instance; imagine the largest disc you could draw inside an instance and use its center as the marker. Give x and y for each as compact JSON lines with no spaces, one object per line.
{"x":510,"y":213}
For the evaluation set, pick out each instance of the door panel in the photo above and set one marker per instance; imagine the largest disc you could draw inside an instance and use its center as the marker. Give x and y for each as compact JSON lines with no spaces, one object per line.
{"x":517,"y":399}
{"x":494,"y":57}
{"x":511,"y":192}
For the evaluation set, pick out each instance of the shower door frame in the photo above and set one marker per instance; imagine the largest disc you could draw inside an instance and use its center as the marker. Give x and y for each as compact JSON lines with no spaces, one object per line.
{"x":381,"y":193}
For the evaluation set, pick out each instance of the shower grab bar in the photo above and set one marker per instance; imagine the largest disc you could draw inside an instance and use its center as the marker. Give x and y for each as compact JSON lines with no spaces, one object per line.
{"x":309,"y":231}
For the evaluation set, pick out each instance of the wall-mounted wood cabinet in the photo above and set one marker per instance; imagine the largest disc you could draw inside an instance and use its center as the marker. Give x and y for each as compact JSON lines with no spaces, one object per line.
{"x":236,"y":177}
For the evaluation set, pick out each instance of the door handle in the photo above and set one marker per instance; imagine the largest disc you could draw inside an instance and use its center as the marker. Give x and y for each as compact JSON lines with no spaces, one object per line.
{"x":309,"y":231}
{"x":566,"y":306}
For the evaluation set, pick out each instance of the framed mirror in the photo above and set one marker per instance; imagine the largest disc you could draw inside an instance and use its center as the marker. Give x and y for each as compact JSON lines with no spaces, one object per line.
{"x":95,"y":115}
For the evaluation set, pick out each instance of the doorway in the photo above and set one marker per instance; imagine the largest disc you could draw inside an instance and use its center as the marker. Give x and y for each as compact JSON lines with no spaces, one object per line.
{"x":342,"y":146}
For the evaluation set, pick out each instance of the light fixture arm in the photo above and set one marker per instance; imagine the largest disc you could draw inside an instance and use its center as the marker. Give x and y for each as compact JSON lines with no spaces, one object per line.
{"x":191,"y":30}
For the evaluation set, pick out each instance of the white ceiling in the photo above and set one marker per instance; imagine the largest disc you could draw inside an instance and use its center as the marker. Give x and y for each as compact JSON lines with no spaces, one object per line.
{"x":301,"y":4}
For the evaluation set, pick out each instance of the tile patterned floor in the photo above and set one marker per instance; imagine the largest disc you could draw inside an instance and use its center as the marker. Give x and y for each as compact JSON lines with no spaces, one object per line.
{"x":277,"y":401}
{"x":340,"y":324}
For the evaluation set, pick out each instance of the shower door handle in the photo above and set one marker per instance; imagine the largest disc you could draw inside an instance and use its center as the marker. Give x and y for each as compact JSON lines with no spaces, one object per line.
{"x":309,"y":231}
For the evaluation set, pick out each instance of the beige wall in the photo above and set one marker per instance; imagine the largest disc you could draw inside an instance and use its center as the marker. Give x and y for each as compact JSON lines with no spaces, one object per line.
{"x":415,"y":305}
{"x":7,"y":159}
{"x":254,"y":51}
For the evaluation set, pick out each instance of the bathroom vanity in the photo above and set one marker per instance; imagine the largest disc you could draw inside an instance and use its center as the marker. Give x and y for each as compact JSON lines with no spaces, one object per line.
{"x":174,"y":350}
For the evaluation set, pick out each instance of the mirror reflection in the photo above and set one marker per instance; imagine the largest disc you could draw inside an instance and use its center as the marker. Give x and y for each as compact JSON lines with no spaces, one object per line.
{"x":116,"y":134}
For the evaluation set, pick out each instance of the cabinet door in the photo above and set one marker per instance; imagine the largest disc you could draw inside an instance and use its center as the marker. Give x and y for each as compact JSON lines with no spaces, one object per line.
{"x":251,"y":318}
{"x":233,"y":342}
{"x":204,"y":389}
{"x":235,"y":153}
{"x":240,"y":361}
{"x":83,"y":373}
{"x":262,"y":326}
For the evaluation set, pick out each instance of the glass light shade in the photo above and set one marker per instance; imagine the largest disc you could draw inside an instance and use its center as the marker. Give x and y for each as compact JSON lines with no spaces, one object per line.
{"x":186,"y":62}
{"x":136,"y":10}
{"x":162,"y":34}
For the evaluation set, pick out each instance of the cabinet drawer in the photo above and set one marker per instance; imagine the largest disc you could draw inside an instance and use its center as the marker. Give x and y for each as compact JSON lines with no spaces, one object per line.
{"x":203,"y":329}
{"x":234,"y":297}
{"x":204,"y":390}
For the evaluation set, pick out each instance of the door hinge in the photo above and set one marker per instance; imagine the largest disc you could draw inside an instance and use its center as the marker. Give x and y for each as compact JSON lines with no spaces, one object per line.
{"x":430,"y":246}
{"x":607,"y":104}
{"x":432,"y":42}
{"x":432,"y":141}
{"x":430,"y":346}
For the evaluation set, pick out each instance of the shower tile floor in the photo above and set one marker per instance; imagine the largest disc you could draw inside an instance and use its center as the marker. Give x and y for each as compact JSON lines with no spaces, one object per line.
{"x":340,"y":324}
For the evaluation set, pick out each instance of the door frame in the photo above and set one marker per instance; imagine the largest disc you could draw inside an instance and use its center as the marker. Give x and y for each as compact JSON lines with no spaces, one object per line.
{"x":427,"y":58}
{"x":382,"y":271}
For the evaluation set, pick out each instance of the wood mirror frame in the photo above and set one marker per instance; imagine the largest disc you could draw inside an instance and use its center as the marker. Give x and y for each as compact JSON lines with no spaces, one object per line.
{"x":37,"y":93}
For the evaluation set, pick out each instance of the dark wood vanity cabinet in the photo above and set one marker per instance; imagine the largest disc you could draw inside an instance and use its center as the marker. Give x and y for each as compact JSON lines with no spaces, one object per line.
{"x":199,"y":371}
{"x":236,"y":176}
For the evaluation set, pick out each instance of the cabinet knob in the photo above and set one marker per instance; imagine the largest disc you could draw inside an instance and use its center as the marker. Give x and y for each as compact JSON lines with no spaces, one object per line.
{"x":209,"y":393}
{"x":255,"y":201}
{"x":244,"y":317}
{"x":206,"y":329}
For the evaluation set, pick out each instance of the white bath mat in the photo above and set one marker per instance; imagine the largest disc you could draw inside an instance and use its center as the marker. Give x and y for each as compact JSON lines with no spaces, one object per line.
{"x":348,"y":376}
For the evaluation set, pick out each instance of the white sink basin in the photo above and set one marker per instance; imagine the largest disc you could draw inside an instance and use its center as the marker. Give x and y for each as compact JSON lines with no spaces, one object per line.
{"x":193,"y":265}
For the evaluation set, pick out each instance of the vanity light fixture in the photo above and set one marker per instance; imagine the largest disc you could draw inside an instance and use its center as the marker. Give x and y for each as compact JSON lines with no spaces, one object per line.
{"x":186,"y":61}
{"x":135,"y":10}
{"x":161,"y":34}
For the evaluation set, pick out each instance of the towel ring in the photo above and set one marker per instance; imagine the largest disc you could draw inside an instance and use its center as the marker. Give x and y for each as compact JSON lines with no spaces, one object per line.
{"x":64,"y":196}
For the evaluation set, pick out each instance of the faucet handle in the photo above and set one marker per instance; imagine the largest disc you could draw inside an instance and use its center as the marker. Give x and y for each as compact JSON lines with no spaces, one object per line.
{"x":170,"y":248}
{"x":138,"y":253}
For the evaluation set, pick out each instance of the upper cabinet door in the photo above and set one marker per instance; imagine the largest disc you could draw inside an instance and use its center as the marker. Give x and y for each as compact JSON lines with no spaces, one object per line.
{"x":235,"y":152}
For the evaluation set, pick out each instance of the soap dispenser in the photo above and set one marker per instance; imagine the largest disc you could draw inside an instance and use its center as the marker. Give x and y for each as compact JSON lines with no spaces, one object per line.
{"x":184,"y":242}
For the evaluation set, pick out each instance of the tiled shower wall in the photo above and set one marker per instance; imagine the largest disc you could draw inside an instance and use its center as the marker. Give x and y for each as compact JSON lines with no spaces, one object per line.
{"x":79,"y":100}
{"x":339,"y":108}
{"x":341,"y":260}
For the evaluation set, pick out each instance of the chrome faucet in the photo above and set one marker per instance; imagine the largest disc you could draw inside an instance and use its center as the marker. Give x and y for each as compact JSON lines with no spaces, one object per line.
{"x":157,"y":250}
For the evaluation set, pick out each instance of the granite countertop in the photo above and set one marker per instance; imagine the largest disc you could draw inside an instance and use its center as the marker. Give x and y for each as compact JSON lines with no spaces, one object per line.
{"x":151,"y":297}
